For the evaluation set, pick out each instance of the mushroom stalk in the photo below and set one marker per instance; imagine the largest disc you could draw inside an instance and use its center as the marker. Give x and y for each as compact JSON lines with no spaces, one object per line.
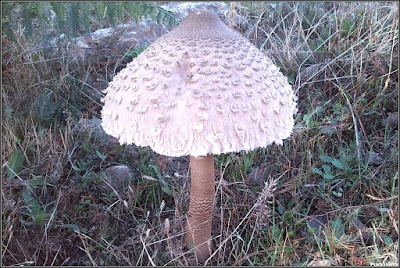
{"x":201,"y":206}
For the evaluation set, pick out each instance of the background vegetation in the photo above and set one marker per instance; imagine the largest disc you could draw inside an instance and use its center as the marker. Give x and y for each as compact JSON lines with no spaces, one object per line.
{"x":328,"y":196}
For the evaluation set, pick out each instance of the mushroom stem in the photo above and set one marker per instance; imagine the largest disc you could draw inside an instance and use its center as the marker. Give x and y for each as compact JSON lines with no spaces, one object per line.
{"x":201,"y":206}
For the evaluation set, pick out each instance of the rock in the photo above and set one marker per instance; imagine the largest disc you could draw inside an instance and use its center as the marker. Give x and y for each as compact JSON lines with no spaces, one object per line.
{"x":392,"y":120}
{"x":90,"y":126}
{"x":315,"y":227}
{"x":375,"y":159}
{"x":135,"y":36}
{"x":120,"y":176}
{"x":122,"y":38}
{"x":364,"y":233}
{"x":182,"y":9}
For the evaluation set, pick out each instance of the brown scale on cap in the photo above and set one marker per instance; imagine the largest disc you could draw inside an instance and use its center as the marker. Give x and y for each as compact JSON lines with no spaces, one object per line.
{"x":201,"y":89}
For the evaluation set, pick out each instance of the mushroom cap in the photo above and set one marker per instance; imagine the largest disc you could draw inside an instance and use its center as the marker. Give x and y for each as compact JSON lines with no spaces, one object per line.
{"x":200,"y":89}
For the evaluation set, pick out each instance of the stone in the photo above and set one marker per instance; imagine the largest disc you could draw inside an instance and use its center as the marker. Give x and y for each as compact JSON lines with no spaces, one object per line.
{"x":120,"y":176}
{"x":375,"y":159}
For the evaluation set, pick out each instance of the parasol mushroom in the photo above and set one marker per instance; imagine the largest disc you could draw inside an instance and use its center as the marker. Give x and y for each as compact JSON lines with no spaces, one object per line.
{"x":200,"y":90}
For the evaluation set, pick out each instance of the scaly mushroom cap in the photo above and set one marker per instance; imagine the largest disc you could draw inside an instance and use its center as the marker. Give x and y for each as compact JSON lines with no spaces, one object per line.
{"x":200,"y":89}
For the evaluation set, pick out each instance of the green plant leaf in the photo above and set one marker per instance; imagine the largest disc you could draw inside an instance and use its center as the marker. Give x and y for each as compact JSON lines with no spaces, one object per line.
{"x":326,"y":158}
{"x":337,"y":163}
{"x":338,"y":193}
{"x":328,"y":176}
{"x":387,"y":239}
{"x":346,"y":28}
{"x":37,"y":213}
{"x":317,"y":171}
{"x":87,"y":146}
{"x":35,"y":58}
{"x":73,"y":10}
{"x":74,"y":227}
{"x":77,"y":169}
{"x":27,"y":18}
{"x":15,"y":163}
{"x":119,"y":11}
{"x":166,"y":189}
{"x":288,"y":216}
{"x":111,"y":13}
{"x":159,"y":17}
{"x":100,"y":155}
{"x":307,"y":118}
{"x":281,"y":209}
{"x":337,"y":227}
{"x":326,"y":168}
{"x":276,"y":233}
{"x":40,"y":216}
{"x":319,"y":110}
{"x":311,"y":230}
{"x":36,"y":181}
{"x":80,"y":166}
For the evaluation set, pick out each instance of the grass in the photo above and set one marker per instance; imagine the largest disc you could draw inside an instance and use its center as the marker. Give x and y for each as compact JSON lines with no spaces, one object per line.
{"x":317,"y":200}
